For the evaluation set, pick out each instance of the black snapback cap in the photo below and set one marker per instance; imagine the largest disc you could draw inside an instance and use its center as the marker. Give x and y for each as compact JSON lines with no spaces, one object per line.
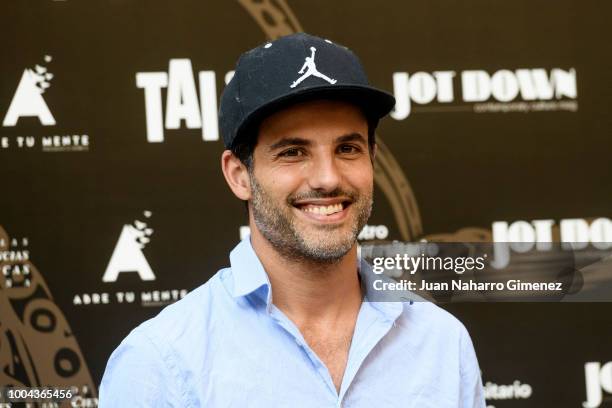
{"x":293,"y":69}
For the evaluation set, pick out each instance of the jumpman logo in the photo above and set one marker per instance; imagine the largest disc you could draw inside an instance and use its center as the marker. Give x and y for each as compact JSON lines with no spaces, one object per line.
{"x":311,"y":71}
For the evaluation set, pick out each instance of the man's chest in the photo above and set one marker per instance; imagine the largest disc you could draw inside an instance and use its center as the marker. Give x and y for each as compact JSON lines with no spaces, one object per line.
{"x":263,"y":361}
{"x":332,"y":348}
{"x":279,"y":371}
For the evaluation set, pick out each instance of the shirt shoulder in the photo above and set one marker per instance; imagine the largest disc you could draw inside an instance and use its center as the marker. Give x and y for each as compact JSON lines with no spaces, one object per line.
{"x":138,"y":375}
{"x":431,"y":318}
{"x":437,"y":335}
{"x":443,"y":336}
{"x":182,"y":318}
{"x":148,"y":368}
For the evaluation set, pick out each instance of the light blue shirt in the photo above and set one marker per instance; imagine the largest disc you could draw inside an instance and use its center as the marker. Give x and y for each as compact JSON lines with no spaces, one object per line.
{"x":226,"y":345}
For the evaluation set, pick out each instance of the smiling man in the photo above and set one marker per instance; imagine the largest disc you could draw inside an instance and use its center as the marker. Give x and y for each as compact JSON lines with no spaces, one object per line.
{"x":291,"y":323}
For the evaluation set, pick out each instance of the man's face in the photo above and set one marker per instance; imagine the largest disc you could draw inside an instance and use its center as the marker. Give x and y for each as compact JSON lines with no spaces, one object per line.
{"x":312,"y":179}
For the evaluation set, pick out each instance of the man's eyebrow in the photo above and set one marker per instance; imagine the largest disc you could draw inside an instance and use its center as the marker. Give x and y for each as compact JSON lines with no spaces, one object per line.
{"x":352,"y":137}
{"x":289,"y":141}
{"x":298,"y":141}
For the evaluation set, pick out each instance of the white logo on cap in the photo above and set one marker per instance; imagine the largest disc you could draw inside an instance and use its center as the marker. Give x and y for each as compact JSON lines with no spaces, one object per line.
{"x":312,"y":70}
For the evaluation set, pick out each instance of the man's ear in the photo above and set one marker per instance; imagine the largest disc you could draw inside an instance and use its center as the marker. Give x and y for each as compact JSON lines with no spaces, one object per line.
{"x":236,"y":175}
{"x":373,"y":152}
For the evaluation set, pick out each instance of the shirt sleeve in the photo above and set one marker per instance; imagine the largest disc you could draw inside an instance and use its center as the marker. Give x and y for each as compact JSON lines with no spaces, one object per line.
{"x":472,"y":392}
{"x":138,"y":375}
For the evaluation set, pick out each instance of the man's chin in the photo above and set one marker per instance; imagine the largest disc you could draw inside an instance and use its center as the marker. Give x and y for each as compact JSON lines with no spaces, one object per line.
{"x":327,"y":234}
{"x":319,"y":255}
{"x":321,"y":248}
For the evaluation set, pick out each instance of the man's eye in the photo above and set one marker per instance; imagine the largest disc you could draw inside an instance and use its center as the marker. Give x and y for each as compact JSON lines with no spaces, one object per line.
{"x":291,"y":153}
{"x":348,"y":149}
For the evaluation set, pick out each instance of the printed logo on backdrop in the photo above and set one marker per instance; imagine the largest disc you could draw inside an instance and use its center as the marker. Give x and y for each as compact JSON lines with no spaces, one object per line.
{"x":479,"y":91}
{"x":195,"y":105}
{"x":575,"y":233}
{"x":574,"y":251}
{"x":598,"y":379}
{"x":37,"y":346}
{"x":128,"y":263}
{"x":28,"y":99}
{"x":128,"y":256}
{"x":30,"y":109}
{"x":503,"y":392}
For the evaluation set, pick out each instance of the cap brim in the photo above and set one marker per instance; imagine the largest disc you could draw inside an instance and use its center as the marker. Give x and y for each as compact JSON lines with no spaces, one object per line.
{"x":374,"y":102}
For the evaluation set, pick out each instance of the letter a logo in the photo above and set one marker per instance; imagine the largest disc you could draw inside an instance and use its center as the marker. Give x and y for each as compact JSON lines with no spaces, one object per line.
{"x":128,"y":257}
{"x":28,"y":100}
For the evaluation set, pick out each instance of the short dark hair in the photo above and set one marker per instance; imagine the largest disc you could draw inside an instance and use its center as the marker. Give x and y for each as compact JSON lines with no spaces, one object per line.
{"x":244,"y":147}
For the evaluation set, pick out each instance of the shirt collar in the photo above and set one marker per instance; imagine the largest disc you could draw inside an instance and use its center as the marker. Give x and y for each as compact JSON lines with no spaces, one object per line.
{"x":248,"y":272}
{"x":250,"y":277}
{"x":390,"y":308}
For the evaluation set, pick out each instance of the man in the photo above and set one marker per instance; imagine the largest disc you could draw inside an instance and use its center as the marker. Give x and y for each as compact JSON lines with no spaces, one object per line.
{"x":291,"y":322}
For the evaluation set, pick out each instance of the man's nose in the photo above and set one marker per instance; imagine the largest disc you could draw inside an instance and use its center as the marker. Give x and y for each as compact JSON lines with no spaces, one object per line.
{"x":324,"y":173}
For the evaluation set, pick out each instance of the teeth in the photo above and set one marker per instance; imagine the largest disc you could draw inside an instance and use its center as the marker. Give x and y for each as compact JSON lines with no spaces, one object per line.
{"x":323,"y":210}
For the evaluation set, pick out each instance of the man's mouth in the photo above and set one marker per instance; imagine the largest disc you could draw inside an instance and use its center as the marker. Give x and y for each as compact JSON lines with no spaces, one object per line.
{"x":323,"y":208}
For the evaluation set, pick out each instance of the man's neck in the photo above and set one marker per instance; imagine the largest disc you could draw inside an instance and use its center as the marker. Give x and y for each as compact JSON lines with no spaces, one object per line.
{"x":311,"y":292}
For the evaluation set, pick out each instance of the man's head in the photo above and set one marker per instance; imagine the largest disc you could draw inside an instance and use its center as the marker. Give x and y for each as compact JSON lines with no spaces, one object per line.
{"x":298,"y":120}
{"x":309,"y":184}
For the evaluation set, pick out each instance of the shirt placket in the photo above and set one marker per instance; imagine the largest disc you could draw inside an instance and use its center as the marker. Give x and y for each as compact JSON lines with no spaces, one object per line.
{"x":371,"y":326}
{"x":284,"y":322}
